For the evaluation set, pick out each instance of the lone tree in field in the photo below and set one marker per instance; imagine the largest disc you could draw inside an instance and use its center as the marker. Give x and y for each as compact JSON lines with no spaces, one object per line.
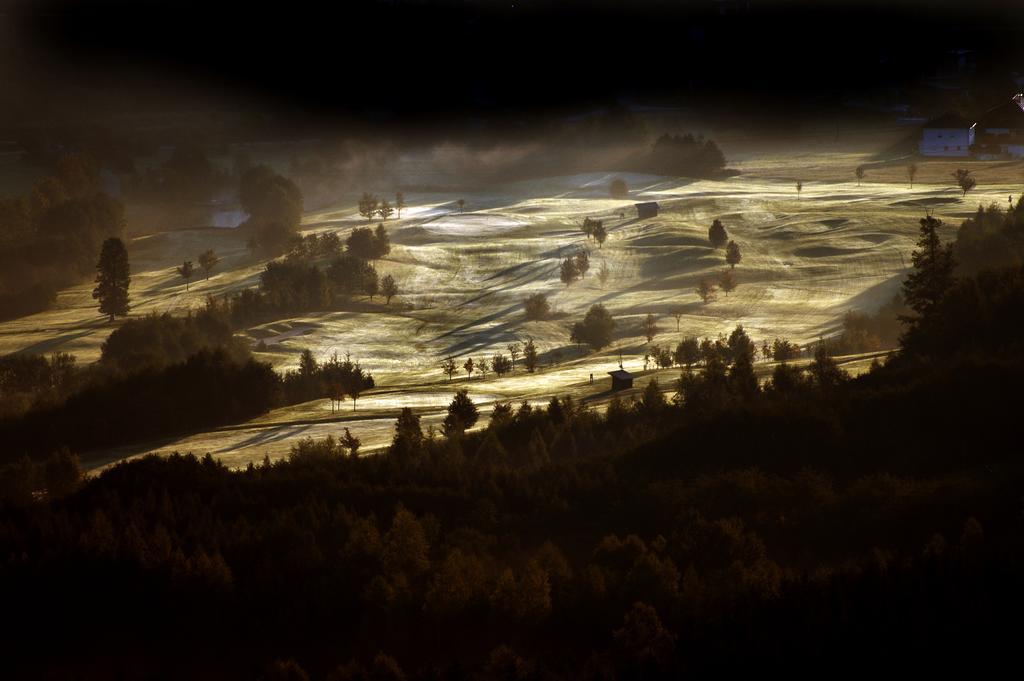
{"x":596,"y":328}
{"x":650,"y":327}
{"x":112,"y":279}
{"x":537,"y":306}
{"x":717,"y":234}
{"x":399,"y":203}
{"x":462,"y":414}
{"x":964,"y":180}
{"x":482,"y":366}
{"x":388,"y":288}
{"x":530,"y":355}
{"x":185,"y":271}
{"x":385,"y":210}
{"x":368,"y":206}
{"x":727,"y":282}
{"x":732,"y":254}
{"x":462,"y":204}
{"x":677,"y":313}
{"x":600,"y":234}
{"x":799,"y":188}
{"x":618,"y":189}
{"x":706,"y":291}
{"x":449,"y":367}
{"x":859,"y":172}
{"x":603,"y":274}
{"x":911,"y":173}
{"x":469,"y":366}
{"x":208,"y":260}
{"x":568,"y":271}
{"x":932,"y":277}
{"x":514,"y":350}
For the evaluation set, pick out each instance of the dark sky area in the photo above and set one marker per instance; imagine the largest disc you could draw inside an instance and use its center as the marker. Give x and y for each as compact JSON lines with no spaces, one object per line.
{"x":421,"y":60}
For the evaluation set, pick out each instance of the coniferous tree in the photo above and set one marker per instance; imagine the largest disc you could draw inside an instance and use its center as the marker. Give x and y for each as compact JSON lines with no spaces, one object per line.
{"x":112,"y":279}
{"x":717,"y":234}
{"x":732,"y":254}
{"x":462,"y":414}
{"x":932,"y":277}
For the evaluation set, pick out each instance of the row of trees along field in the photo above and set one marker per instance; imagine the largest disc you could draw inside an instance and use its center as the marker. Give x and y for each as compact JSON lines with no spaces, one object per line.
{"x":298,"y":283}
{"x":738,"y":528}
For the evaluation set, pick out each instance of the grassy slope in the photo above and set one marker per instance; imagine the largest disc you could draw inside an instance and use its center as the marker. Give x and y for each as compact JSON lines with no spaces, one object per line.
{"x":805,"y":262}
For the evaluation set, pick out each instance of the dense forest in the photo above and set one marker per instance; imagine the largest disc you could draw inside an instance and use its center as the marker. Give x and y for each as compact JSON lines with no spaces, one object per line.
{"x":813,"y":521}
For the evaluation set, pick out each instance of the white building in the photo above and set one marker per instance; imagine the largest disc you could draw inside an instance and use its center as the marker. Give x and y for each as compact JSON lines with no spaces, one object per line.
{"x":949,"y":135}
{"x":1001,"y":130}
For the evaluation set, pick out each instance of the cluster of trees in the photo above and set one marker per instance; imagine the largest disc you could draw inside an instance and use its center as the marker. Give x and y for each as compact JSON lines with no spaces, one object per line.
{"x":315,"y":246}
{"x":498,"y":363}
{"x":210,"y":388}
{"x":335,"y":379}
{"x":992,"y":238}
{"x":208,"y":259}
{"x":274,"y":204}
{"x":297,"y":284}
{"x":368,"y":244}
{"x":594,"y":229}
{"x":537,"y":307}
{"x":50,"y":237}
{"x":160,"y":374}
{"x":730,"y":530}
{"x":186,"y":177}
{"x":595,"y":329}
{"x":685,"y":155}
{"x":33,"y":381}
{"x":370,"y":206}
{"x":574,"y":267}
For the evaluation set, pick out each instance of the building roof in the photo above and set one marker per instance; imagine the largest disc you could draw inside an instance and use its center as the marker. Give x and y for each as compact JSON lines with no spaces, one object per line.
{"x":1008,"y":115}
{"x":646,"y":204}
{"x":949,"y":121}
{"x":620,"y":373}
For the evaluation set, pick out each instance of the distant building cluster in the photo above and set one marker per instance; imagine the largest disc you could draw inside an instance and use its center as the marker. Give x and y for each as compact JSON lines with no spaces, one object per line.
{"x":999,"y":133}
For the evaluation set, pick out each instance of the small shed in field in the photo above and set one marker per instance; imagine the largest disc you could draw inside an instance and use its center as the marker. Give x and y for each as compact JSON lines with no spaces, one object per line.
{"x":647,"y":210}
{"x":621,"y":380}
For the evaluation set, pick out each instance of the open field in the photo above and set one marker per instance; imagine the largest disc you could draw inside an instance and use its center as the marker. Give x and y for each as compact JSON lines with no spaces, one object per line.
{"x":463,"y":277}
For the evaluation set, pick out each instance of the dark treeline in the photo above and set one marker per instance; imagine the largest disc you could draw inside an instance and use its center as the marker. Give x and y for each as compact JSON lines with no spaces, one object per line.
{"x":157,"y":375}
{"x":50,"y":237}
{"x":739,"y":528}
{"x":685,"y":155}
{"x":991,"y":239}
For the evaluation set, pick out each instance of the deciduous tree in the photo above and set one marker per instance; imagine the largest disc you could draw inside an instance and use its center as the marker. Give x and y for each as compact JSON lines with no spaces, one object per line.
{"x":185,"y":271}
{"x":208,"y":260}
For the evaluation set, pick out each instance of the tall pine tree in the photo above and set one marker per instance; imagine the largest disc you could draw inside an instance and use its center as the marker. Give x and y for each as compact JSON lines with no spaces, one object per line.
{"x":112,"y":279}
{"x":932,"y":277}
